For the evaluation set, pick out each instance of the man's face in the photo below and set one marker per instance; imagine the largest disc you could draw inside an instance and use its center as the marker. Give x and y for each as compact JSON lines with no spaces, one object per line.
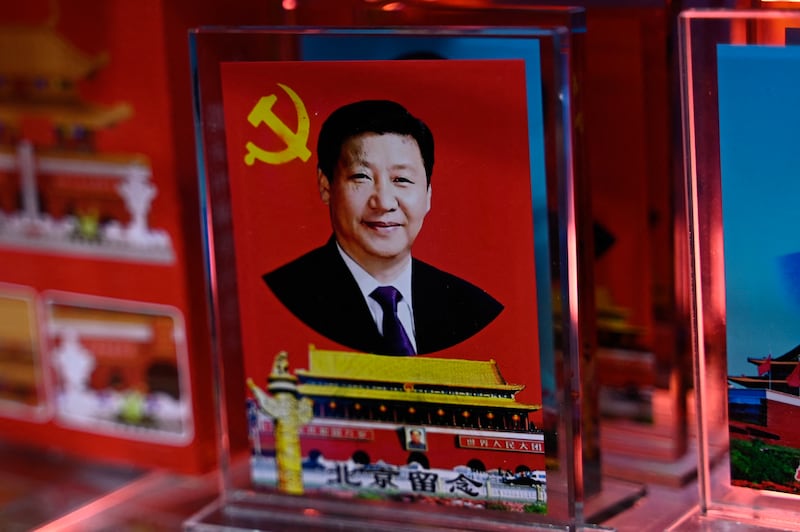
{"x":378,"y":199}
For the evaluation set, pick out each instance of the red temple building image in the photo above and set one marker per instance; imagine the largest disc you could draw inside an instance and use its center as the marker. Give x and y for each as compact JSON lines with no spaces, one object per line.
{"x":764,"y":434}
{"x":424,"y":426}
{"x":57,"y":193}
{"x":117,"y":368}
{"x":765,"y":405}
{"x":772,"y":373}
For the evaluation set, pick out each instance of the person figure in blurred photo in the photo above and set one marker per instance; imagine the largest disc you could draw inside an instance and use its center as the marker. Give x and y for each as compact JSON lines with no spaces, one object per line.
{"x":416,"y":441}
{"x":363,"y":289}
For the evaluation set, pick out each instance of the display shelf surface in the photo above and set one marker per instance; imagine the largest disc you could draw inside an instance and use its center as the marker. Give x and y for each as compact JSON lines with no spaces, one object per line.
{"x":43,"y":492}
{"x":37,"y":487}
{"x":616,"y":497}
{"x":158,"y":501}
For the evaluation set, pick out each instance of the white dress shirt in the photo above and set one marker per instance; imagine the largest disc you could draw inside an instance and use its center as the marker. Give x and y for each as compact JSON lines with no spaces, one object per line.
{"x":367,"y":283}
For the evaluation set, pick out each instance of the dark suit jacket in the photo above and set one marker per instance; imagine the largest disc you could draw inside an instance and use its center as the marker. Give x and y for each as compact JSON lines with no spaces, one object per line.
{"x":319,"y":290}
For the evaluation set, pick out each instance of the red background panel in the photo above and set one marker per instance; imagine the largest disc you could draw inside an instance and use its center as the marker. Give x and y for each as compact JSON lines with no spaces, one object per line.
{"x":480,"y":226}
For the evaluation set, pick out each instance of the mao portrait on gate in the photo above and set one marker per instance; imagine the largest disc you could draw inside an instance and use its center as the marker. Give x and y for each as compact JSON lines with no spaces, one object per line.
{"x":383,"y":207}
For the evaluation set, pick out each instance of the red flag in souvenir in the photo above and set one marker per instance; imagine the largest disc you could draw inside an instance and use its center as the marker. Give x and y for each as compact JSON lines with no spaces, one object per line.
{"x":765,"y":366}
{"x":794,"y":377}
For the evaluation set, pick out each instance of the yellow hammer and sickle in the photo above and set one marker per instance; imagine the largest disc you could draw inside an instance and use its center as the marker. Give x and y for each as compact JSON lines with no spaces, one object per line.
{"x":295,"y":141}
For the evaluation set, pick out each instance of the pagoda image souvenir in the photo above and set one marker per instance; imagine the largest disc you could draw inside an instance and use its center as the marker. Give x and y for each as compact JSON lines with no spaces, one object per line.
{"x":58,"y":192}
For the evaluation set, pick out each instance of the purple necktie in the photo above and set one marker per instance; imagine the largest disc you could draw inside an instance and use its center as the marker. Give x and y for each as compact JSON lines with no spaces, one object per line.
{"x":397,"y":342}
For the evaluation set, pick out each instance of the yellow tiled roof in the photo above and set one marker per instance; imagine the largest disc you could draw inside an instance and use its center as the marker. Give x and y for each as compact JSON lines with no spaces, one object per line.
{"x":29,"y":51}
{"x":93,"y":117}
{"x":104,"y":157}
{"x":412,"y":396}
{"x":328,"y":364}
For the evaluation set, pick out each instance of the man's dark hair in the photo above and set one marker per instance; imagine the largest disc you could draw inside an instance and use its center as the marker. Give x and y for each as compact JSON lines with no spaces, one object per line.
{"x":370,"y":116}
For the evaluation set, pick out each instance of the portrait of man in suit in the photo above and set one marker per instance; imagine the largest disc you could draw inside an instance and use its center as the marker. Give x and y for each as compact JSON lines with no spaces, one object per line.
{"x":363,"y":288}
{"x":415,"y":439}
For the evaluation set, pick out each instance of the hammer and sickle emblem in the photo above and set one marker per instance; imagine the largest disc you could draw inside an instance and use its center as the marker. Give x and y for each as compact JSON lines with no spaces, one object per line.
{"x":295,"y":141}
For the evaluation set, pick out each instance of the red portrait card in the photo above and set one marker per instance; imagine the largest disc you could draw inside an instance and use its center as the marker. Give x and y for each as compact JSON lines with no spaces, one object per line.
{"x":460,"y":420}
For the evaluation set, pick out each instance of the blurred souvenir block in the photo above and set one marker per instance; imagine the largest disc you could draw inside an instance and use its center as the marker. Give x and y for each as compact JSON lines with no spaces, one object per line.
{"x":104,"y":342}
